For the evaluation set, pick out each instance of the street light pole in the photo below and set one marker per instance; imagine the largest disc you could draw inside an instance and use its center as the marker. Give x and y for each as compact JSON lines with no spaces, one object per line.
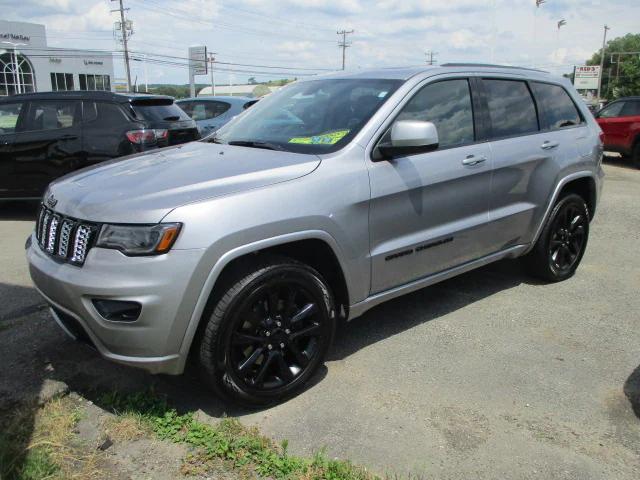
{"x":604,"y":44}
{"x":16,"y":67}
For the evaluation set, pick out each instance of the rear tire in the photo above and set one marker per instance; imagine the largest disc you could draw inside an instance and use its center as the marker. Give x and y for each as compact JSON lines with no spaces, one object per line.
{"x":635,"y":154}
{"x":563,"y":241}
{"x":268,"y":333}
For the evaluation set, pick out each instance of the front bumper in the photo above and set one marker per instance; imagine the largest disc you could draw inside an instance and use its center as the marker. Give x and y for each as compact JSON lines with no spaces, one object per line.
{"x":161,"y":284}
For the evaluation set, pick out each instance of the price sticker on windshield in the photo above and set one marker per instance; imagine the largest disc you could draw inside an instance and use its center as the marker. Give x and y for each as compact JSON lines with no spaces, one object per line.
{"x":329,"y":138}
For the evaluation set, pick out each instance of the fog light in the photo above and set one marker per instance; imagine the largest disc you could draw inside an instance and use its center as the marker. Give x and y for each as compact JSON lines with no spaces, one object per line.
{"x":117,"y":310}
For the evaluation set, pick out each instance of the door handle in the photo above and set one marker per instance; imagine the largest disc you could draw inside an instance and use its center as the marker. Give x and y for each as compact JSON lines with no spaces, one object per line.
{"x":69,"y":137}
{"x":473,"y":160}
{"x":549,"y":145}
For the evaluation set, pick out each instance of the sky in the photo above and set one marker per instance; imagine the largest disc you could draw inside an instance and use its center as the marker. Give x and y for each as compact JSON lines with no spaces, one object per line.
{"x":299,"y":36}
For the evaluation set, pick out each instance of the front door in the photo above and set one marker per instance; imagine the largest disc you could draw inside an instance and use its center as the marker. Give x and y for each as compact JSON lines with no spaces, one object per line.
{"x":49,"y":145}
{"x":429,"y":211}
{"x":11,"y":116}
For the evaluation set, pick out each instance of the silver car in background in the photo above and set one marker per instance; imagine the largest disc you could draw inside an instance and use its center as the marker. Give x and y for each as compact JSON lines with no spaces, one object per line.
{"x":326,"y":198}
{"x":211,"y":113}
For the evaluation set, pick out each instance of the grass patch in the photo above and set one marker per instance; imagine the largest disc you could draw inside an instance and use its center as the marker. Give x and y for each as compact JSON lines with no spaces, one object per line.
{"x":238,"y":447}
{"x":127,"y":427}
{"x":36,"y":443}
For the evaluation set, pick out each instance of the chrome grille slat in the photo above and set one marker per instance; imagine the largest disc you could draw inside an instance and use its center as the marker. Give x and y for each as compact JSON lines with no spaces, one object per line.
{"x":80,"y":244}
{"x":53,"y":233}
{"x":63,"y":237}
{"x":43,"y":228}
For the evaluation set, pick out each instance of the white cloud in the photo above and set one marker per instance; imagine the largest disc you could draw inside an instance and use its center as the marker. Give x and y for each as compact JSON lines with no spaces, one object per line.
{"x":302,"y":33}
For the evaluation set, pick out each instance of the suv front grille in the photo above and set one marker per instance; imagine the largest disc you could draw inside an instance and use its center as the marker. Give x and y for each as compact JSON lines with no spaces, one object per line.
{"x":64,"y":238}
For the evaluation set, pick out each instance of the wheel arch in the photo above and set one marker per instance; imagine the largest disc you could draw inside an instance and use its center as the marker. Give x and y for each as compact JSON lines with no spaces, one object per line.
{"x":316,"y":248}
{"x":582,"y":183}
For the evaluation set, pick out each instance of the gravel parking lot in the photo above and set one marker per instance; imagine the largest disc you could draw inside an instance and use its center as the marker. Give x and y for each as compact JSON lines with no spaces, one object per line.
{"x":488,"y":375}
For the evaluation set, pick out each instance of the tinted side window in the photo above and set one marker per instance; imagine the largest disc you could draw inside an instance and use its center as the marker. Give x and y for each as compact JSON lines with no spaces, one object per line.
{"x":559,"y":110}
{"x":217,"y":108}
{"x":52,"y":115}
{"x":511,"y":108}
{"x":187,"y":107}
{"x":612,"y":110}
{"x":448,"y":105}
{"x":105,"y":114}
{"x":630,"y":109}
{"x":9,"y":114}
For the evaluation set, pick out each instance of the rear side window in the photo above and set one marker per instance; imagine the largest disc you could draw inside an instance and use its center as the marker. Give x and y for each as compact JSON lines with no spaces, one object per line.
{"x":511,"y":108}
{"x":630,"y":109}
{"x":52,"y":115}
{"x":612,"y":110}
{"x":207,"y":110}
{"x":9,"y":114}
{"x":158,"y":111}
{"x":558,"y":109}
{"x":107,"y":114}
{"x":447,"y":104}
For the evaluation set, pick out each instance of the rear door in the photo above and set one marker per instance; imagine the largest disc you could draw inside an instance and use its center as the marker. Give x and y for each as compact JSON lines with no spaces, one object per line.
{"x":104,"y":128}
{"x":630,"y":123}
{"x":48,"y":145}
{"x":613,"y":126}
{"x":527,"y":153}
{"x":10,"y":116}
{"x":429,"y":211}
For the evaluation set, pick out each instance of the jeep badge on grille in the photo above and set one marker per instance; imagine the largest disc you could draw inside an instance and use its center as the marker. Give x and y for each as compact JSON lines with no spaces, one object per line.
{"x":51,"y":201}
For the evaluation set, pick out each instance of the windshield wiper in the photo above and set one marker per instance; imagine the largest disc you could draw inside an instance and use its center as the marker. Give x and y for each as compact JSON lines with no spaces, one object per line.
{"x":173,"y":118}
{"x":253,"y":144}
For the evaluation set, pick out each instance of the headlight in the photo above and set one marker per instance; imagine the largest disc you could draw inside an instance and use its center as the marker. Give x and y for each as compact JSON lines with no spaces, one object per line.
{"x":139,"y":239}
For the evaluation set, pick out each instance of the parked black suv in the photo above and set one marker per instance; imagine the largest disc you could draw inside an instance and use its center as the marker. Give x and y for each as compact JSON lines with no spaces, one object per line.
{"x":46,"y":135}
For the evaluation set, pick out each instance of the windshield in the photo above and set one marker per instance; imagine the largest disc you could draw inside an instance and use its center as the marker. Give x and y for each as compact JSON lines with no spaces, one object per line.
{"x":317,"y":116}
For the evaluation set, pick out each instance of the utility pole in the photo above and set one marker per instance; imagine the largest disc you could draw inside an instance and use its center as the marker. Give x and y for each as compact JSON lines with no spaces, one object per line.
{"x":604,"y":45}
{"x":124,"y":29}
{"x":431,"y":57}
{"x":212,"y":60}
{"x":344,"y":43}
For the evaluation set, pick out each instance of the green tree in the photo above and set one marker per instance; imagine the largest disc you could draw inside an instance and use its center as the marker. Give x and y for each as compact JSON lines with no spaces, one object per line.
{"x":252,"y":81}
{"x":261,"y":91}
{"x":622,"y":78}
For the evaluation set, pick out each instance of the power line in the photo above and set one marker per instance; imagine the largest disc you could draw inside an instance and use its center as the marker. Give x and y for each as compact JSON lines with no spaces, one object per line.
{"x":344,"y":44}
{"x":219,"y":24}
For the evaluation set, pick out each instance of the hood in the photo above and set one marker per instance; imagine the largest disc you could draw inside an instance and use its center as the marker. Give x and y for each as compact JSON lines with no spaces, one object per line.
{"x":144,"y":188}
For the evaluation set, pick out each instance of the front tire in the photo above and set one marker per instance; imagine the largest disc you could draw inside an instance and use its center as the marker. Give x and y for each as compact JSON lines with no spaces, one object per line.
{"x":563,"y":241}
{"x":268,"y":332}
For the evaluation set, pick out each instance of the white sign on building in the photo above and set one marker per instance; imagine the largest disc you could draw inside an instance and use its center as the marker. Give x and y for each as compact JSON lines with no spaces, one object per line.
{"x":586,"y":77}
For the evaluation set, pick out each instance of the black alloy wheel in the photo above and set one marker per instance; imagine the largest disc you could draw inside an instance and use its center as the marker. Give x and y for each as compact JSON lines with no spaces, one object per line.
{"x":562,"y":242}
{"x":568,"y":238}
{"x":276,"y":335}
{"x":268,"y":333}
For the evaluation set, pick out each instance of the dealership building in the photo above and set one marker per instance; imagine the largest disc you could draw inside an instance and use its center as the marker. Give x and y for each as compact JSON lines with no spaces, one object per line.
{"x":27,"y":64}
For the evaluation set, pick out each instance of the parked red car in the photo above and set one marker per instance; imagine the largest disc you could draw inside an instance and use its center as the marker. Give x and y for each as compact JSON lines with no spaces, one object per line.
{"x":620,"y":122}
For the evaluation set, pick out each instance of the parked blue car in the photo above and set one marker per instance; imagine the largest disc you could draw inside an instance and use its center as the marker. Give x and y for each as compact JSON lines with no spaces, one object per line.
{"x":210,"y":113}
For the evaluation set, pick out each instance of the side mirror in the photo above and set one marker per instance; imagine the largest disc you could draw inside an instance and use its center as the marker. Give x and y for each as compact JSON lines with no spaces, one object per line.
{"x":410,"y":137}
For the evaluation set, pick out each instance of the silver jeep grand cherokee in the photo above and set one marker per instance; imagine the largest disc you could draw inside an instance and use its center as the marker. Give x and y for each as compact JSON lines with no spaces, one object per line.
{"x":334,"y":194}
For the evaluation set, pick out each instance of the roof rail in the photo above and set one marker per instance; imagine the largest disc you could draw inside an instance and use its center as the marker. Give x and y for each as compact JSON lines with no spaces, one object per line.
{"x":491,"y":65}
